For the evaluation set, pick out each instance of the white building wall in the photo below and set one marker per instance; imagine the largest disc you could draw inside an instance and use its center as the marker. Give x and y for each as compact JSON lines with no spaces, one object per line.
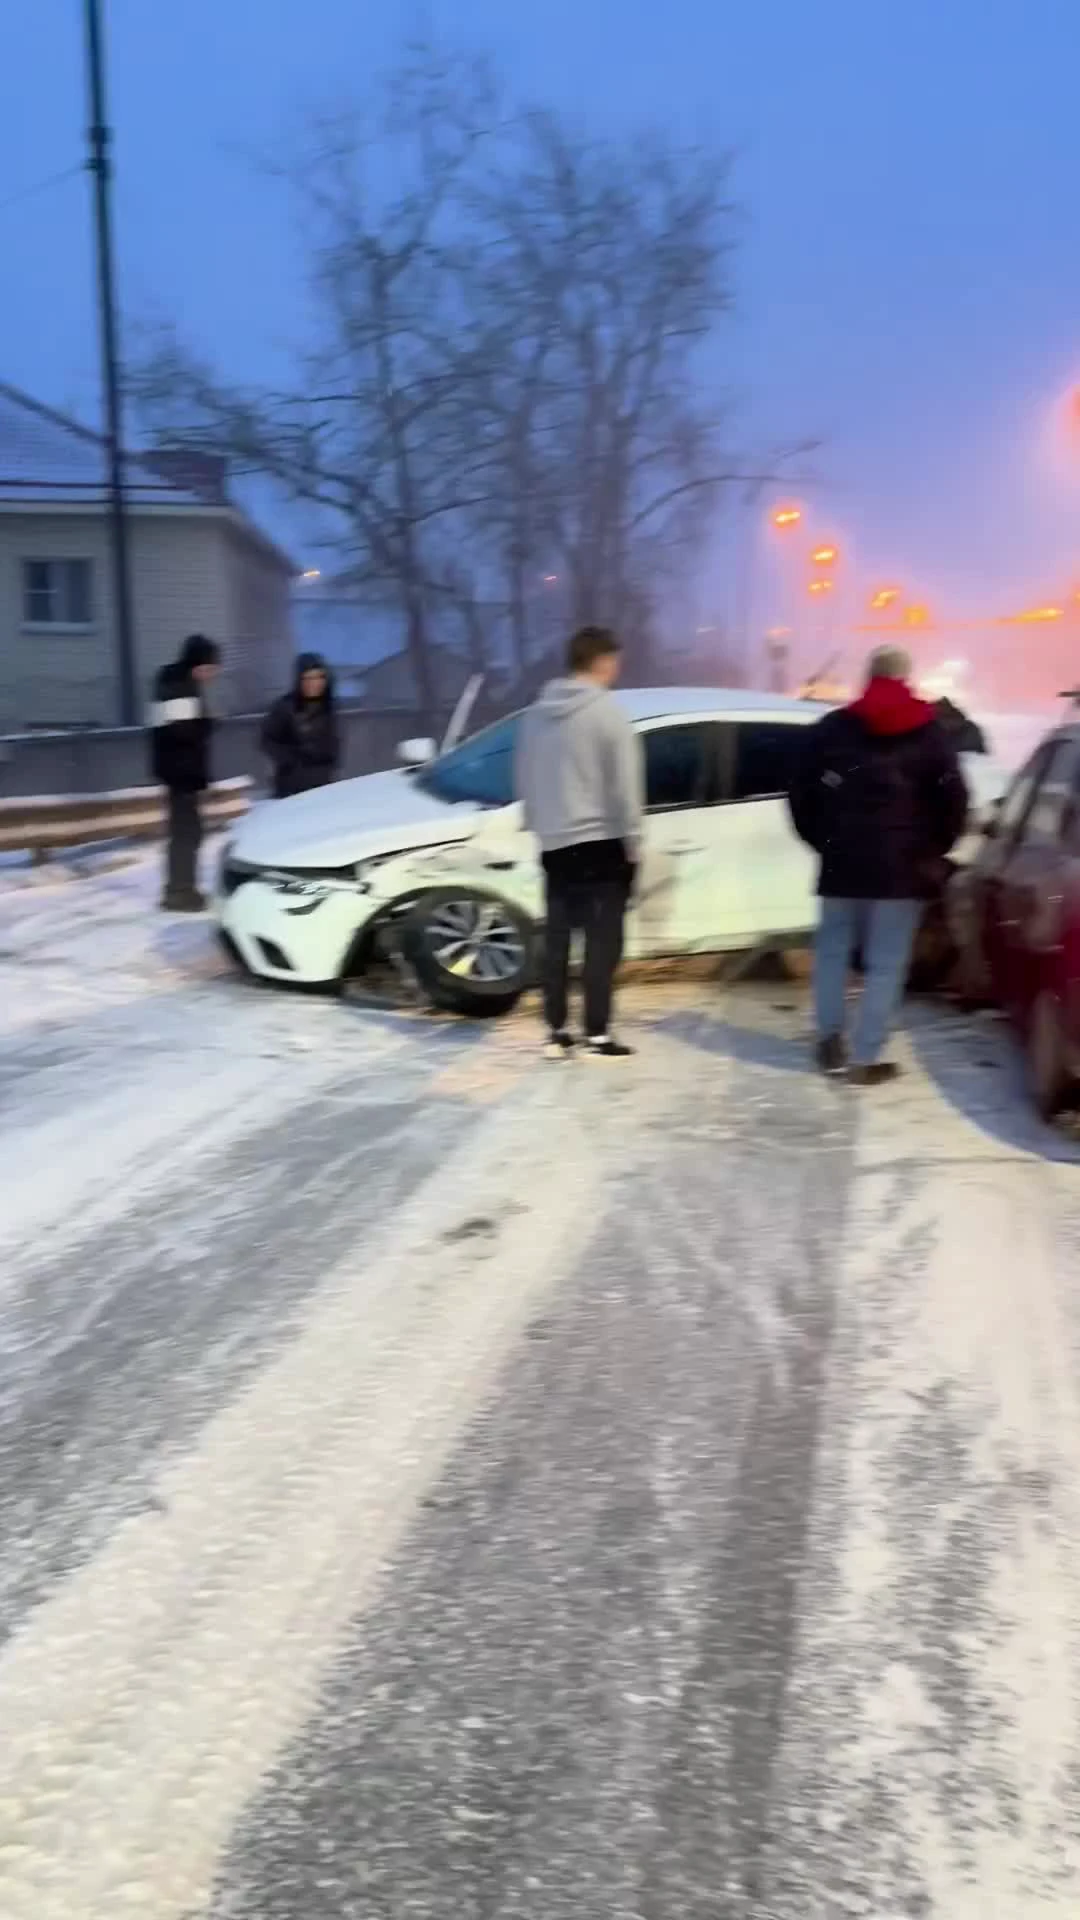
{"x":190,"y":574}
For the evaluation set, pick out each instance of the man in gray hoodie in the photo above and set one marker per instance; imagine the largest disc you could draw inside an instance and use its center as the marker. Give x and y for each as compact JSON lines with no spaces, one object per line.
{"x":579,"y":775}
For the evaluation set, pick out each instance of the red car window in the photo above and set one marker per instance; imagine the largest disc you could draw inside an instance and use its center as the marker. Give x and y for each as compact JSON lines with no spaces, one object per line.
{"x":1043,"y":824}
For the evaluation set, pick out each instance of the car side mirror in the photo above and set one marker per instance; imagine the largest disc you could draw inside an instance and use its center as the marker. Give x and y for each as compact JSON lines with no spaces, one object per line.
{"x":417,"y":753}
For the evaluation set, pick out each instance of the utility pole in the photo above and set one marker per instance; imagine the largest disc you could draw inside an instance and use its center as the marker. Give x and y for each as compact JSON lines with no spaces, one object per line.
{"x":100,"y":166}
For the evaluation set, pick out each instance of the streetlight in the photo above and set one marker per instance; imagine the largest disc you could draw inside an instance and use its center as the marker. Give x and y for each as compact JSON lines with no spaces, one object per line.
{"x":783,"y":518}
{"x":821,"y":586}
{"x":884,"y":597}
{"x":1036,"y":614}
{"x":825,"y":556}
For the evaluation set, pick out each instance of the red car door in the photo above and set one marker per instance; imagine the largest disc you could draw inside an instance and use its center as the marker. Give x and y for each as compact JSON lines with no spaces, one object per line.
{"x":990,"y":890}
{"x":1031,"y":886}
{"x":1068,"y":971}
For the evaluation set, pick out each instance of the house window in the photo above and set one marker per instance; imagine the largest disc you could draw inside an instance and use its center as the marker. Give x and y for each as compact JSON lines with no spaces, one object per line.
{"x":57,"y":593}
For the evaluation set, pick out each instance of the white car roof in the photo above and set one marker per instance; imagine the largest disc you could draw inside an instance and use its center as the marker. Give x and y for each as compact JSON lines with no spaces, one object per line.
{"x":662,"y":703}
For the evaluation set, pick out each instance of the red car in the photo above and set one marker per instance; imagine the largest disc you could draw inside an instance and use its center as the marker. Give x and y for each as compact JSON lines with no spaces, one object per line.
{"x":1014,"y":914}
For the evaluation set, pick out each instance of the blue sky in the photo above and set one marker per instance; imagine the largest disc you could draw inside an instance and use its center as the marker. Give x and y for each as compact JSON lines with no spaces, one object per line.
{"x":909,"y":280}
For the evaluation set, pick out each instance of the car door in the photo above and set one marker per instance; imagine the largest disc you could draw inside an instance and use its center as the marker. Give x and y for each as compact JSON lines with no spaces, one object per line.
{"x":769,"y":878}
{"x":1030,"y":888}
{"x":674,"y":909}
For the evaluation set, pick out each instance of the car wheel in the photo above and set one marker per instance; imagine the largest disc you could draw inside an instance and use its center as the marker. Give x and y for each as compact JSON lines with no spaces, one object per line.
{"x":470,"y":951}
{"x":1048,"y":1072}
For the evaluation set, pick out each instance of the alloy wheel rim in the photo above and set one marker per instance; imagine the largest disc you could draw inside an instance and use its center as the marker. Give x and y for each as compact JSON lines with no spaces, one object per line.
{"x":475,"y":940}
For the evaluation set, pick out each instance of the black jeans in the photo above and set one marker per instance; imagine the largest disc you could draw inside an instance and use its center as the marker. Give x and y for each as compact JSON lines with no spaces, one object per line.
{"x":185,"y":839}
{"x":588,"y":888}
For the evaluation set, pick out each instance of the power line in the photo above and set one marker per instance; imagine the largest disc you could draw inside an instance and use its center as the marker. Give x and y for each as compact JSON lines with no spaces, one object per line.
{"x":40,"y":186}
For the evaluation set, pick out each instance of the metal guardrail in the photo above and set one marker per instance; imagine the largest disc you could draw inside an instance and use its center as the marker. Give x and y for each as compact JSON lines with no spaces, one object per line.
{"x":96,"y":760}
{"x":42,"y":825}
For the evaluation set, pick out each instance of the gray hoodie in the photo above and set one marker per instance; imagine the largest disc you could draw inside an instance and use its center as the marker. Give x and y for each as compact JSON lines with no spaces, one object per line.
{"x":579,"y":768}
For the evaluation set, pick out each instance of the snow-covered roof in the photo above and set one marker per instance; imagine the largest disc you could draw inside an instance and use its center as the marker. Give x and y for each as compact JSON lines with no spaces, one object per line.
{"x":48,"y":459}
{"x":44,"y":456}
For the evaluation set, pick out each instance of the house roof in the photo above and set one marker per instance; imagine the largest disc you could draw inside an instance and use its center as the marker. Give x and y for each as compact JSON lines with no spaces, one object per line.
{"x":50,"y":460}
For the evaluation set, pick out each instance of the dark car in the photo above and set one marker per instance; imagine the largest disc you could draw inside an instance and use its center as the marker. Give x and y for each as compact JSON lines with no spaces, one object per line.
{"x":1015,"y":916}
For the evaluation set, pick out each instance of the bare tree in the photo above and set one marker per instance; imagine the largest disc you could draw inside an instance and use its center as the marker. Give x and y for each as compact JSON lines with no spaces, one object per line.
{"x":370,"y":430}
{"x":501,"y":412}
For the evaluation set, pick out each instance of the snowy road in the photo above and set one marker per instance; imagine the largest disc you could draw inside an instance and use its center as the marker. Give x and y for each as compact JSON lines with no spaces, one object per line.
{"x":435,"y":1483}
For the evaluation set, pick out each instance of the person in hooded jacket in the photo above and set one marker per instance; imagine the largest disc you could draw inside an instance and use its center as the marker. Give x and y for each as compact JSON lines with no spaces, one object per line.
{"x":181,"y":727}
{"x":879,"y":796}
{"x":579,"y":775}
{"x":965,"y":733}
{"x":300,"y":733}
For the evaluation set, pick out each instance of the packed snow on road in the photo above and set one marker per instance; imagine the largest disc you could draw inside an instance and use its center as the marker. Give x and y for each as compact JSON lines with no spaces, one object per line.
{"x":436,"y":1481}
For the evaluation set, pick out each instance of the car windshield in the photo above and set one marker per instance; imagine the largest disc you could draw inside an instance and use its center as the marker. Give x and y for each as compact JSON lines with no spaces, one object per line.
{"x":481,"y":770}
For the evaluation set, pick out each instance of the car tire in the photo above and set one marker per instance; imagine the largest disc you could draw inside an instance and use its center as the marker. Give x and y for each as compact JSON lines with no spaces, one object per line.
{"x":471,"y":952}
{"x":1052,"y":1087}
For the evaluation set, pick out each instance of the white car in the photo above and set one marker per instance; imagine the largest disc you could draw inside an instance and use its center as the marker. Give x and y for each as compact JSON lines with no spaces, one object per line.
{"x":431,"y":859}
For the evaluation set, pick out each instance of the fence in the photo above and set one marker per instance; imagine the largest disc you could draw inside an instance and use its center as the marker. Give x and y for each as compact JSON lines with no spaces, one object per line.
{"x":108,"y":760}
{"x":42,"y":825}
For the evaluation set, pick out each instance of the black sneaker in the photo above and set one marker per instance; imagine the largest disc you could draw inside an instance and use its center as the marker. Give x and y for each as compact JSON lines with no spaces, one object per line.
{"x":880,"y":1074}
{"x":193,"y":902}
{"x":607,"y":1049}
{"x":832,"y":1054}
{"x":559,"y":1046}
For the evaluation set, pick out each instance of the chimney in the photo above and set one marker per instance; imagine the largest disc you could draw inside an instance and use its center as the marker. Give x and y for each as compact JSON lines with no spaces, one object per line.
{"x":204,"y":474}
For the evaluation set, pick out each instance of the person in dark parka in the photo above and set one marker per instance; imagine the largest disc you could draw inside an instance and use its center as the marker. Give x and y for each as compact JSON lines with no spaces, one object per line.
{"x":880,"y":797}
{"x":300,"y":733}
{"x":181,"y":727}
{"x":965,"y":733}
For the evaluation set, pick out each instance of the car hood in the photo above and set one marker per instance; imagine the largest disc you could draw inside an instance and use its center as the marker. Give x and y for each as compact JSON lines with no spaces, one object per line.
{"x":350,"y":820}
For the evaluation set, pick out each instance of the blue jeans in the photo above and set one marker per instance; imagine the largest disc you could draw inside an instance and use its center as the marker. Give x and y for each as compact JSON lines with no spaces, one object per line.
{"x":885,"y":930}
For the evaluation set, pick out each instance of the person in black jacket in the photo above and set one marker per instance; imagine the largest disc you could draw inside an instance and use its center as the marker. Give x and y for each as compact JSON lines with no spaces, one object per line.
{"x":965,"y":733}
{"x":180,"y":730}
{"x":880,"y":797}
{"x":300,"y":732}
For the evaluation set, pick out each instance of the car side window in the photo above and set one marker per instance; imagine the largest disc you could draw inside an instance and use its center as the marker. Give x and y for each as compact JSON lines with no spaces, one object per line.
{"x":678,"y":766}
{"x":763,"y":761}
{"x":1044,"y":821}
{"x":1014,"y":807}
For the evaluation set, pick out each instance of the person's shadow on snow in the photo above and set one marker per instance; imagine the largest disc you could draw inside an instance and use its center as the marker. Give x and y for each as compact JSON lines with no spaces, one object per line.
{"x":751,"y":1046}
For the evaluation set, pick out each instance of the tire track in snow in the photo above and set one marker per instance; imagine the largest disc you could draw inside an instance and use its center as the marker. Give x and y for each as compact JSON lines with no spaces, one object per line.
{"x":142,"y":1704}
{"x":932,"y":1765}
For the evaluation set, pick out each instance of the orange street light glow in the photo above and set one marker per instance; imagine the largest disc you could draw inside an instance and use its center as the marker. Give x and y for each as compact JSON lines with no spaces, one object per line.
{"x":821,"y":586}
{"x":885,"y":597}
{"x":1041,"y":613}
{"x":787,"y":517}
{"x":916,"y":616}
{"x":824,"y":556}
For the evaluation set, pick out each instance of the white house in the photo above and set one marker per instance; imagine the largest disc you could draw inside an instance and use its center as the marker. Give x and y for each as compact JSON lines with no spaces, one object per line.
{"x":198,"y":565}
